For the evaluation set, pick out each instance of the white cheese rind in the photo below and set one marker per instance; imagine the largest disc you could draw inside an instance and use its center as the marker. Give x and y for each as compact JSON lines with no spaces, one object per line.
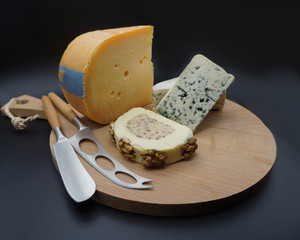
{"x":195,"y":92}
{"x":171,"y":144}
{"x":160,"y":89}
{"x":167,"y":84}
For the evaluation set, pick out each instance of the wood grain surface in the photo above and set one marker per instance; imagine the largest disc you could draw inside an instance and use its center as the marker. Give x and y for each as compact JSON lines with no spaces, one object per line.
{"x":235,"y":155}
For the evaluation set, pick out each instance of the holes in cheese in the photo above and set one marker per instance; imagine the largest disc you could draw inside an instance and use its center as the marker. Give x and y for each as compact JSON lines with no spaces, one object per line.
{"x":151,"y":139}
{"x":142,"y":59}
{"x":107,"y":72}
{"x":126,"y":74}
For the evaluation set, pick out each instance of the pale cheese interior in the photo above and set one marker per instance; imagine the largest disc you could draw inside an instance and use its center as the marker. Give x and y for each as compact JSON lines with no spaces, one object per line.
{"x":160,"y":89}
{"x":121,"y":76}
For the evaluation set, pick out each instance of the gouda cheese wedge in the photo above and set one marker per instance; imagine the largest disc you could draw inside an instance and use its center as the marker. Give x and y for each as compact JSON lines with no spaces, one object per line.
{"x":105,"y":73}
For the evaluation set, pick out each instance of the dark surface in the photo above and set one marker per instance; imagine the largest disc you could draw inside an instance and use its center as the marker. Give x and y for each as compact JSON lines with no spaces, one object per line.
{"x":258,"y":43}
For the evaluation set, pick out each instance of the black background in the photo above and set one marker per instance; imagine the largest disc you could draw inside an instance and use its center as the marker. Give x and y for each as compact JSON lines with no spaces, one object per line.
{"x":256,"y":42}
{"x":251,"y":36}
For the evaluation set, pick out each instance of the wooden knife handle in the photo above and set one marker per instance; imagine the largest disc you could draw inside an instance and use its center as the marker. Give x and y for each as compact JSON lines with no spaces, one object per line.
{"x":51,"y":112}
{"x":62,"y":106}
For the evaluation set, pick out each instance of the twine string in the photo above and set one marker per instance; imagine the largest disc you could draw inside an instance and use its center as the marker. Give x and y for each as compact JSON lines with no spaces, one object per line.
{"x":18,"y":122}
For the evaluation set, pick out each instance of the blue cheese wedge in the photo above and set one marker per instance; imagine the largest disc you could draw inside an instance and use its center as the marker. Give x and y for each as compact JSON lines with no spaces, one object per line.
{"x":195,"y":92}
{"x":160,"y":89}
{"x":151,"y":139}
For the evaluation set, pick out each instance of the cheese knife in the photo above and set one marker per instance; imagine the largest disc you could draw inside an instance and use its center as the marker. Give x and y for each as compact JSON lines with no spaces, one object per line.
{"x":85,"y":133}
{"x":78,"y":183}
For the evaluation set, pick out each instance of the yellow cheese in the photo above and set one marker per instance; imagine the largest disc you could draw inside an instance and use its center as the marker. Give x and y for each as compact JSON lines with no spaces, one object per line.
{"x":105,"y":73}
{"x":151,"y":139}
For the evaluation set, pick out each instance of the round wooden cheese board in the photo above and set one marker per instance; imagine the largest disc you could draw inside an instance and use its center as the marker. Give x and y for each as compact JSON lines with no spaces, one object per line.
{"x":235,"y":155}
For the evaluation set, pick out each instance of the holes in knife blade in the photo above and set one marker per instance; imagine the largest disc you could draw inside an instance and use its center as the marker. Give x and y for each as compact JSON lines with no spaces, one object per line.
{"x":150,"y":184}
{"x":105,"y":163}
{"x":88,"y":146}
{"x":125,"y":177}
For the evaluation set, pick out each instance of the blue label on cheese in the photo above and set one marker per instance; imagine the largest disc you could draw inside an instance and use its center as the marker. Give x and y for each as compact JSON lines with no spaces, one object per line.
{"x":72,"y":81}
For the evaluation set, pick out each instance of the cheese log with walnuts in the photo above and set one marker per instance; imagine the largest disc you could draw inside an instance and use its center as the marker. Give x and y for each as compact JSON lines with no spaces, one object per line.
{"x":160,"y":89}
{"x":101,"y":72}
{"x":151,"y":139}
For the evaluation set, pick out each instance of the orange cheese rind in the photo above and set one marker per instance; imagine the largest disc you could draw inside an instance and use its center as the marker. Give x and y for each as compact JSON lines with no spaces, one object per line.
{"x":116,"y":70}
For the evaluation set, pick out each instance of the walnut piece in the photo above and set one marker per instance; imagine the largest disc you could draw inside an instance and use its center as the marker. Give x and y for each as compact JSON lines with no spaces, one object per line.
{"x":189,"y":148}
{"x":111,"y":131}
{"x":126,"y":149}
{"x":153,"y":157}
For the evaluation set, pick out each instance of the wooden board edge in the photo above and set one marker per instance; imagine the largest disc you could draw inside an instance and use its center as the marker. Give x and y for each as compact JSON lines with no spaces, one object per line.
{"x":183,"y":210}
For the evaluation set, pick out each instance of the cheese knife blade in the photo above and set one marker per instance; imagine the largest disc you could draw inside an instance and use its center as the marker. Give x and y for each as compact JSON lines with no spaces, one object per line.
{"x":85,"y":133}
{"x":76,"y":179}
